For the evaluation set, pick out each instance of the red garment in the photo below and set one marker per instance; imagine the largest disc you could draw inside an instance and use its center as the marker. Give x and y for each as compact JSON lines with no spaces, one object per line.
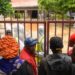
{"x":25,"y":55}
{"x":72,"y":37}
{"x":69,"y":52}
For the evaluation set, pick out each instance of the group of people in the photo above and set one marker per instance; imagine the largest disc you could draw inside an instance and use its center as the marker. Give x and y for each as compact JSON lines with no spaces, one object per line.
{"x":25,"y":63}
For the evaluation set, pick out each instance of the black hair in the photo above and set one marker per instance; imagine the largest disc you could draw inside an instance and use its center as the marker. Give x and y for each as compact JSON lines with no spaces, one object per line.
{"x":8,"y":32}
{"x":56,"y":44}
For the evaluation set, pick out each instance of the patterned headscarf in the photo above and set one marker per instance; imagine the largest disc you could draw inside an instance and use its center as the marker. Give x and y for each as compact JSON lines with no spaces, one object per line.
{"x":8,"y":47}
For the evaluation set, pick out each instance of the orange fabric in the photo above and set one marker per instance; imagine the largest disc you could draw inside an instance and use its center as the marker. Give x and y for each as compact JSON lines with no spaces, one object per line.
{"x":8,"y":47}
{"x":29,"y":58}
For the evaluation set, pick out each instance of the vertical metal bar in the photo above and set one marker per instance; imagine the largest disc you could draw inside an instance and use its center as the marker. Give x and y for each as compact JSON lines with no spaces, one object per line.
{"x":55,"y":25}
{"x":62,"y":26}
{"x":47,"y":37}
{"x":18,"y":32}
{"x":37,"y":27}
{"x":4,"y":24}
{"x":18,"y":29}
{"x":44,"y":39}
{"x":24,"y":26}
{"x":11,"y":25}
{"x":37,"y":31}
{"x":38,"y":60}
{"x":69,"y":33}
{"x":31,"y":26}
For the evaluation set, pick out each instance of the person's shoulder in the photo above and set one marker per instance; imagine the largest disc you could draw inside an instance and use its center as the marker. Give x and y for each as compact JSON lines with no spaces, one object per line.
{"x":67,"y":58}
{"x":44,"y":59}
{"x":63,"y":56}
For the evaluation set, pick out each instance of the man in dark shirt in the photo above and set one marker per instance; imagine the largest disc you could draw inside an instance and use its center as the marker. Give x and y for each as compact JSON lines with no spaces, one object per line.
{"x":57,"y":63}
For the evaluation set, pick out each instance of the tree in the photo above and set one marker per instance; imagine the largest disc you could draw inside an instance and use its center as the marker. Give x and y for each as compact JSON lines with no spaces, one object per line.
{"x":57,"y":6}
{"x":5,"y":7}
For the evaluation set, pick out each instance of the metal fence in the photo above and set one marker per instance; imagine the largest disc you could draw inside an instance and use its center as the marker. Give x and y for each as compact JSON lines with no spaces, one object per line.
{"x":36,"y":28}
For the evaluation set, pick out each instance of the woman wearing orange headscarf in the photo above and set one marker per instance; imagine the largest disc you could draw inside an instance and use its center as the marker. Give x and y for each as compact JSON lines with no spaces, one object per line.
{"x":9,"y":51}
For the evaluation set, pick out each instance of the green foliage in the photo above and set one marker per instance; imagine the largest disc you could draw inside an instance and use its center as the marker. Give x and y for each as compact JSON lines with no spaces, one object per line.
{"x":18,"y":15}
{"x":71,"y":5}
{"x":57,"y":6}
{"x":6,"y":7}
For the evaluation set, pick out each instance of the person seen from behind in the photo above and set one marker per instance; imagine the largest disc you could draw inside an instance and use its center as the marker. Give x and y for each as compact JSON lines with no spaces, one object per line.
{"x":10,"y":61}
{"x":57,"y":63}
{"x":28,"y":54}
{"x":71,"y":51}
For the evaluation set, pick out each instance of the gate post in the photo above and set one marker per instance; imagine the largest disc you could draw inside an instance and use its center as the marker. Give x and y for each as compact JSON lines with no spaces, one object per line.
{"x":46,"y":38}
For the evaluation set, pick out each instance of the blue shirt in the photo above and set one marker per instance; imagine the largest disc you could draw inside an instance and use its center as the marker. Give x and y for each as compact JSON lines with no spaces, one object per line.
{"x":9,"y":65}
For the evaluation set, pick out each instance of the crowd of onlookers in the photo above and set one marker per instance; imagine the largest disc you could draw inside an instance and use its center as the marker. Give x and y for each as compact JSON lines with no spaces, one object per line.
{"x":57,"y":63}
